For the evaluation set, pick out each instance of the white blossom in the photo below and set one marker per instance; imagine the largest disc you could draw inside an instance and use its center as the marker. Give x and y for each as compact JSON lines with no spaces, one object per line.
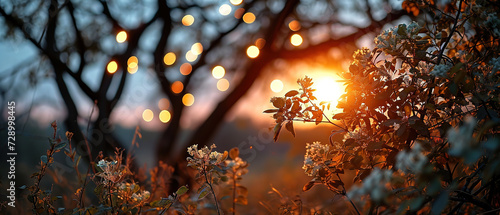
{"x":440,"y":70}
{"x":375,"y":185}
{"x":412,"y":161}
{"x":316,"y":155}
{"x":461,"y":138}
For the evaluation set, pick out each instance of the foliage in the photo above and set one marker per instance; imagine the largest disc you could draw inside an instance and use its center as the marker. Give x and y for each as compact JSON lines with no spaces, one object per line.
{"x":118,"y":192}
{"x":420,"y":121}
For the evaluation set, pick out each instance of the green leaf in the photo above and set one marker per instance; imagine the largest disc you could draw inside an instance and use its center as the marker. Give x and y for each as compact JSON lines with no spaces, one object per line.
{"x":203,"y":193}
{"x":60,"y":146}
{"x":43,"y":158}
{"x":402,"y":29}
{"x":181,"y":190}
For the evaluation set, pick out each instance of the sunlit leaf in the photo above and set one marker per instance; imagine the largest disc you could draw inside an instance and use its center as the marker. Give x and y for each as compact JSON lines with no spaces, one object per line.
{"x":289,"y":127}
{"x":181,"y":190}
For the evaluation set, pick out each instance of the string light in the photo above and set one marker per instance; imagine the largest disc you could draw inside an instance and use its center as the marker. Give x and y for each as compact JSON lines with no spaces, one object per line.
{"x":253,"y":51}
{"x":276,"y":85}
{"x":222,"y":84}
{"x":296,"y":40}
{"x":121,"y":37}
{"x":169,"y":58}
{"x":218,"y":72}
{"x":164,"y":116}
{"x":112,"y":67}
{"x":187,"y":20}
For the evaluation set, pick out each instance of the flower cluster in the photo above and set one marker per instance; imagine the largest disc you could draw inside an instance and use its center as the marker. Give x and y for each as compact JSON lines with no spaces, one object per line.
{"x":111,"y":171}
{"x":493,"y":23}
{"x":238,"y":166}
{"x":495,"y":63}
{"x":440,"y":70}
{"x":316,"y":155}
{"x":203,"y":157}
{"x":141,"y":196}
{"x":461,"y":139}
{"x":375,"y":185}
{"x":390,"y":38}
{"x":412,"y":161}
{"x":362,"y":56}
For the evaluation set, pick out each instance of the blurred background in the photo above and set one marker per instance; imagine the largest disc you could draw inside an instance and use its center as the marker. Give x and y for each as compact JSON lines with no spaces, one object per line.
{"x":183,"y":72}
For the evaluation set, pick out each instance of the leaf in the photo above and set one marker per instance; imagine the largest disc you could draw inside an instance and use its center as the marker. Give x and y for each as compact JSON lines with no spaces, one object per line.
{"x":277,"y":130}
{"x":60,"y":146}
{"x":279,"y":102}
{"x":241,"y":200}
{"x":291,"y":93}
{"x":43,"y":158}
{"x":202,"y":193}
{"x":271,"y":110}
{"x":372,"y":146}
{"x":335,"y":183}
{"x":356,"y":161}
{"x":289,"y":127}
{"x":234,"y":153}
{"x":181,"y":190}
{"x":308,"y":186}
{"x":241,"y":190}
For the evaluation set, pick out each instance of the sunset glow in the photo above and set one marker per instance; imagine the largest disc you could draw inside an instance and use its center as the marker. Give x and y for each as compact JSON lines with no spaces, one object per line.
{"x":328,"y":89}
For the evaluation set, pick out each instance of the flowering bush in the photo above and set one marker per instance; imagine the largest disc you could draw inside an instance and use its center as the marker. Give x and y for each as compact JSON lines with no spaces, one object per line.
{"x":420,"y":121}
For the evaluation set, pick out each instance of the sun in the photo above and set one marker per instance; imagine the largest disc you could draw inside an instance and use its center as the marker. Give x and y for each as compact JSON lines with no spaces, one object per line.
{"x":328,"y":88}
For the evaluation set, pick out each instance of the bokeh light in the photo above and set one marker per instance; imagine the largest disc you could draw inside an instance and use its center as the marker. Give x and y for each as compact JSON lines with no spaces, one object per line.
{"x":177,"y":87}
{"x":197,"y":48}
{"x":253,"y":51}
{"x":296,"y":40}
{"x":121,"y":37}
{"x":260,"y":43}
{"x":236,"y":2}
{"x":188,"y":99}
{"x":186,"y":69}
{"x":225,"y":9}
{"x":222,"y":84}
{"x":190,"y":56}
{"x":294,"y":25}
{"x":169,"y":58}
{"x":276,"y":85}
{"x":132,"y":62}
{"x":164,"y":116}
{"x":238,"y":13}
{"x":112,"y":67}
{"x":132,"y":70}
{"x":147,"y":115}
{"x":249,"y":18}
{"x":163,"y":104}
{"x":187,"y":20}
{"x":218,"y":72}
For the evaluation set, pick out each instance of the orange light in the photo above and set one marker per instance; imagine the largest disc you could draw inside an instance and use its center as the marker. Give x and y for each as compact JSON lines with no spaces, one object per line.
{"x":164,"y":116}
{"x":253,"y":51}
{"x":294,"y":25}
{"x":177,"y":87}
{"x":169,"y":58}
{"x":132,"y":62}
{"x":112,"y":67}
{"x":225,"y":9}
{"x":121,"y":37}
{"x":296,"y":40}
{"x":260,"y":43}
{"x":190,"y":56}
{"x":236,"y":2}
{"x":163,"y":104}
{"x":249,"y":18}
{"x":197,"y":48}
{"x":186,"y":69}
{"x":188,"y":99}
{"x":276,"y":85}
{"x":222,"y":85}
{"x":132,"y":70}
{"x":147,"y":115}
{"x":218,"y":72}
{"x":187,"y":20}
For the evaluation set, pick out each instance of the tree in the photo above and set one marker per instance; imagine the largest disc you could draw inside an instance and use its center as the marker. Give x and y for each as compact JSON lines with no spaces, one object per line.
{"x":71,"y":39}
{"x":420,"y":119}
